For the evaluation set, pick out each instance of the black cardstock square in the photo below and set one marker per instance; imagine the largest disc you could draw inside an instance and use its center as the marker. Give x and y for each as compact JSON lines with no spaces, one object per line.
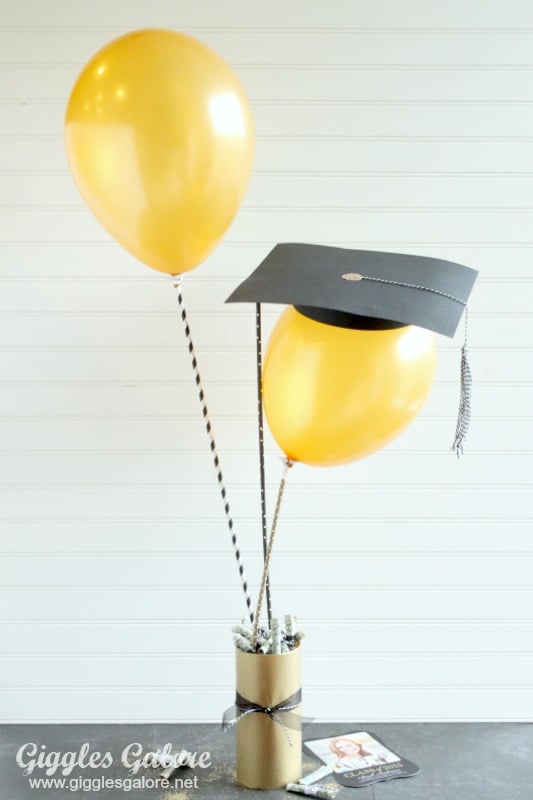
{"x":349,"y":288}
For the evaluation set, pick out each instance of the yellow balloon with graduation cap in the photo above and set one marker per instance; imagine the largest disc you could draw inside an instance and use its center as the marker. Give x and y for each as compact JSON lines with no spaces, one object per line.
{"x":350,"y":363}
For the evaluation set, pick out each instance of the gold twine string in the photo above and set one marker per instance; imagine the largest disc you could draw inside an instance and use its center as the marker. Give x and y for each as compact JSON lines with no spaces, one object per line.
{"x":287,"y":464}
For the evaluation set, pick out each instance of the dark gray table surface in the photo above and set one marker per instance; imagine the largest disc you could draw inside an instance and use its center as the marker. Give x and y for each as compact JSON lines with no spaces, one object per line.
{"x":492,"y":761}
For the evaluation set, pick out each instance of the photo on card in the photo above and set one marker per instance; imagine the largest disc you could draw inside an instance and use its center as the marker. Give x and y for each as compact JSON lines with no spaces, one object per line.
{"x":358,"y":758}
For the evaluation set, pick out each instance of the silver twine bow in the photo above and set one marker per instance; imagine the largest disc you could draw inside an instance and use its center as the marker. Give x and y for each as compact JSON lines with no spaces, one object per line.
{"x":280,"y":713}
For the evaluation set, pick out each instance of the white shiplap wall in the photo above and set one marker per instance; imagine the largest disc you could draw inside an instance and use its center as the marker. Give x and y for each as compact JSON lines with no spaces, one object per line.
{"x":403,"y":126}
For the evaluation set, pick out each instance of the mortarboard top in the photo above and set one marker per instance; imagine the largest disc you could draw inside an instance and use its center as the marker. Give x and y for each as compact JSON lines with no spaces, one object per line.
{"x":361,"y":288}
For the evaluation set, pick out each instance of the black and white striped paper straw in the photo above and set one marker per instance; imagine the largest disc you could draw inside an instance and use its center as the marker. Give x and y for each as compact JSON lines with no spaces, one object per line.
{"x":261,"y":432}
{"x":176,"y":281}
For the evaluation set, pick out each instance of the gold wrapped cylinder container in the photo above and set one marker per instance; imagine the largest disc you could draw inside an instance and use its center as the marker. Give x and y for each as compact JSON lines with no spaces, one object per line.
{"x":268,"y":747}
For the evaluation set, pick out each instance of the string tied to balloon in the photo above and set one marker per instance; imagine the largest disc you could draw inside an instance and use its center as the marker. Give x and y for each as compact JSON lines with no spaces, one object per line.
{"x":464,"y":411}
{"x":287,"y":464}
{"x":177,"y":284}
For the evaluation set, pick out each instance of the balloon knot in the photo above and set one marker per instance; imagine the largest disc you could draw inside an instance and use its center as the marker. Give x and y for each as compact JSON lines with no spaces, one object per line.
{"x":176,"y":280}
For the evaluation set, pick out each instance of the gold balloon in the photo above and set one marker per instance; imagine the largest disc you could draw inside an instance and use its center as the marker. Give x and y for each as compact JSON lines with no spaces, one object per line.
{"x":159,"y":138}
{"x":333,"y":395}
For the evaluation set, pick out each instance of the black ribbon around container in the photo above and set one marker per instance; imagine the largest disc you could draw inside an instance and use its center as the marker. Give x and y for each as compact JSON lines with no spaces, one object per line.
{"x":280,"y":713}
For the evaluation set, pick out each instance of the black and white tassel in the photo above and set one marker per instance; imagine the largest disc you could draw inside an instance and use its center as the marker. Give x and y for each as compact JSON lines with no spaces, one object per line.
{"x":463,"y":417}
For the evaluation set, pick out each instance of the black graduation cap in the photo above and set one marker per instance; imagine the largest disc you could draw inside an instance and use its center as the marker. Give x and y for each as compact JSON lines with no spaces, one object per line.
{"x":361,"y":288}
{"x":367,"y":289}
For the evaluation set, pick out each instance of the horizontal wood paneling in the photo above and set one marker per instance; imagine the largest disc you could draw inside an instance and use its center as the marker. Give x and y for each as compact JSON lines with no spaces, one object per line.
{"x":267,"y":191}
{"x":430,"y":468}
{"x":266,"y":82}
{"x":153,"y":297}
{"x":147,"y":366}
{"x":392,"y":704}
{"x":356,"y":637}
{"x":123,"y":332}
{"x":190,"y":605}
{"x":323,"y":156}
{"x":489,"y":49}
{"x":43,"y":120}
{"x":107,"y":261}
{"x":158,"y":502}
{"x":300,"y":14}
{"x":371,"y":535}
{"x":147,"y":571}
{"x":195,"y":673}
{"x":181,"y":435}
